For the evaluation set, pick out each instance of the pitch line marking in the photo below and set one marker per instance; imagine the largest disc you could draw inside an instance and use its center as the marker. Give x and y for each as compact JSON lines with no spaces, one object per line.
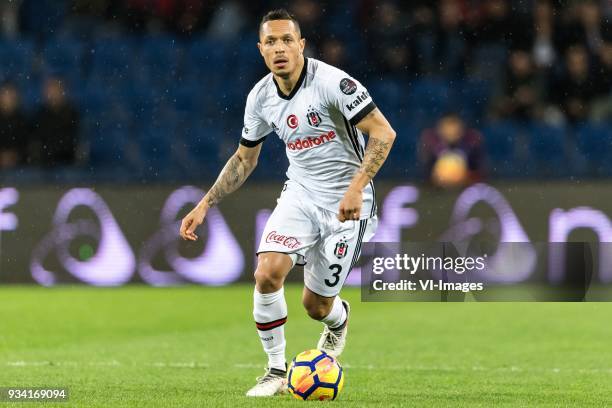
{"x":197,"y":365}
{"x":112,"y":363}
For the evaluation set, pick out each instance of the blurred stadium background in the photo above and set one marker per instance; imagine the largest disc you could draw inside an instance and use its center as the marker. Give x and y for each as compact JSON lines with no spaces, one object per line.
{"x":112,"y":111}
{"x":159,"y":86}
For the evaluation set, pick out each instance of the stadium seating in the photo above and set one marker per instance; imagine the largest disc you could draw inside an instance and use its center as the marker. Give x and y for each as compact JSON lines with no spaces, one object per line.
{"x":500,"y":139}
{"x":595,"y":142}
{"x":128,"y":87}
{"x":64,"y":57}
{"x":548,"y":146}
{"x":16,"y":59}
{"x":43,"y":17}
{"x":428,"y":99}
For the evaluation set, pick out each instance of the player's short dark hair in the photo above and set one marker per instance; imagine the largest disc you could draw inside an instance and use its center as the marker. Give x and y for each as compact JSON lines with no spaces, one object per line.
{"x":279,"y":14}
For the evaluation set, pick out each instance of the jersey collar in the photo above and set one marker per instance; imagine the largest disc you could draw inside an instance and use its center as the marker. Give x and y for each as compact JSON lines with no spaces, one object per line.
{"x":297,"y":86}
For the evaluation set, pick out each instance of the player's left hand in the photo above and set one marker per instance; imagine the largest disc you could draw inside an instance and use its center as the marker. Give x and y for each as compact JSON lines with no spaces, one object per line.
{"x":350,"y":206}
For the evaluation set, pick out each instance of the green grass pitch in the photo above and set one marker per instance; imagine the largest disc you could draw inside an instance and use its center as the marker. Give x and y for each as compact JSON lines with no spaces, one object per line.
{"x":197,"y":346}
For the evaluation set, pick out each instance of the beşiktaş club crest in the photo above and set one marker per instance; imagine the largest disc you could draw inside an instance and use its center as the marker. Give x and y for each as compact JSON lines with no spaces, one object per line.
{"x":341,"y":249}
{"x":314,"y":119}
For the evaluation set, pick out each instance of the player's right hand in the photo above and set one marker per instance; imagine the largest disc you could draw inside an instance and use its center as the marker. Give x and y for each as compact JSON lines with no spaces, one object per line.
{"x":191,"y":222}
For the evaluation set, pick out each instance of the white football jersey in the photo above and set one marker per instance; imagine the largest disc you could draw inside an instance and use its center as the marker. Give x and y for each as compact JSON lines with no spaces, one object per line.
{"x":317,"y":124}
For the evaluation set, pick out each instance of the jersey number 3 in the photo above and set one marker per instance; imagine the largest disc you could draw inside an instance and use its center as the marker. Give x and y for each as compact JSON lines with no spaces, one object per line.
{"x":338,"y":269}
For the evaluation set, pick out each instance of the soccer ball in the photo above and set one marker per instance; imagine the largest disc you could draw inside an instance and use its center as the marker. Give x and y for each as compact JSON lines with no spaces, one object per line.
{"x":315,"y":375}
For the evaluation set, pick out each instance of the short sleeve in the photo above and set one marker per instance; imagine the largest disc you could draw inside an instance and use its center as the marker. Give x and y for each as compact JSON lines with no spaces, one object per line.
{"x":255,"y":129}
{"x":349,"y":96}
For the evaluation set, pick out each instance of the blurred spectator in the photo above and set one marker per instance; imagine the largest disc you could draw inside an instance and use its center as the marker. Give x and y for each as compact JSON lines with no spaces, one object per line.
{"x":451,"y":153}
{"x":521,"y":95}
{"x":97,"y":8}
{"x":87,"y":15}
{"x":493,"y":28}
{"x":182,"y":16}
{"x":309,"y":14}
{"x":593,"y":26}
{"x":544,"y":53}
{"x":55,"y":126}
{"x":604,"y":67}
{"x":228,"y":21}
{"x":13,"y":128}
{"x":391,"y":48}
{"x":576,"y":88}
{"x":189,"y":16}
{"x":137,"y":14}
{"x":42,"y":18}
{"x":498,"y":25}
{"x":548,"y":59}
{"x":606,"y":9}
{"x":602,"y":108}
{"x":334,"y":53}
{"x":450,"y":48}
{"x":9,"y":17}
{"x":423,"y":39}
{"x":585,"y":25}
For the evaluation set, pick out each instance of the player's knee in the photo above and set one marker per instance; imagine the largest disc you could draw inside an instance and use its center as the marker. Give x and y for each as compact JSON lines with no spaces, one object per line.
{"x":267,"y":280}
{"x":270,"y":274}
{"x":316,"y":310}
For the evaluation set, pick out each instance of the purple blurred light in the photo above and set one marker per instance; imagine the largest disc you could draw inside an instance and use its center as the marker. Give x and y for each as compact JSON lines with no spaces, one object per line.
{"x":561,"y":223}
{"x":510,"y":263}
{"x":112,"y":264}
{"x":221,"y":261}
{"x":8,"y":197}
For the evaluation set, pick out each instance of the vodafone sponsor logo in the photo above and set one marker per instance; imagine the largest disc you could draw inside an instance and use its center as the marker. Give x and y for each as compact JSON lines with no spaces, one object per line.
{"x":289,"y":242}
{"x":310,"y":142}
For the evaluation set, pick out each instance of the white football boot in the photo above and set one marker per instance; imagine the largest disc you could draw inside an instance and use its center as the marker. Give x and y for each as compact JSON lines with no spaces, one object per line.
{"x":273,"y":382}
{"x":332,"y":341}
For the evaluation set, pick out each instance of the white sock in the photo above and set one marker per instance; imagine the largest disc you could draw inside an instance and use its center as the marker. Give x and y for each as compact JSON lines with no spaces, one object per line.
{"x":270,"y":313}
{"x":337,"y":317}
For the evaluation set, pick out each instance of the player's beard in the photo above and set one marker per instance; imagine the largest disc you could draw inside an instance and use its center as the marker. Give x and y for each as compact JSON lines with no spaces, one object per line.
{"x":284,"y":73}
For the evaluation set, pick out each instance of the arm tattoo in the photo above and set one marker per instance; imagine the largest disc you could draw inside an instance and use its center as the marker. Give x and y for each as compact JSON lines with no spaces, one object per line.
{"x":375,"y":154}
{"x":232,"y":176}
